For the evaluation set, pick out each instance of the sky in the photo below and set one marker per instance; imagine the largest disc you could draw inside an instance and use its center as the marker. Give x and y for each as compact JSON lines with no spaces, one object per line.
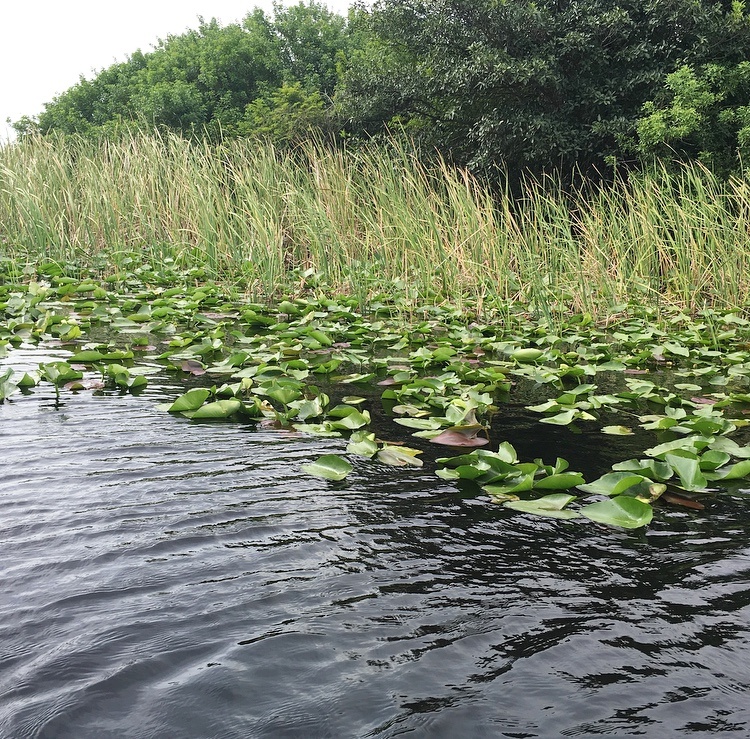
{"x":46,"y":45}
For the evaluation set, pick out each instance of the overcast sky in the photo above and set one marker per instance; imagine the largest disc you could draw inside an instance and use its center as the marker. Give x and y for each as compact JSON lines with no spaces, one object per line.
{"x":46,"y":45}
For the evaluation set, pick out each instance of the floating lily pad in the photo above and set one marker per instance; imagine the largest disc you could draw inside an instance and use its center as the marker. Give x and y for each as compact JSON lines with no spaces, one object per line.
{"x":190,"y":401}
{"x":551,"y":506}
{"x":617,"y":430}
{"x":329,"y":467}
{"x":399,"y":456}
{"x":217,"y":410}
{"x":461,"y":436}
{"x":623,"y":511}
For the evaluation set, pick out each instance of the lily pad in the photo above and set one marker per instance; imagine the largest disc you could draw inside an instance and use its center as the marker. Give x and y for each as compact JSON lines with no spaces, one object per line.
{"x":551,"y":506}
{"x":190,"y":401}
{"x":216,"y":410}
{"x":399,"y":456}
{"x":461,"y":436}
{"x":623,"y":511}
{"x":329,"y":467}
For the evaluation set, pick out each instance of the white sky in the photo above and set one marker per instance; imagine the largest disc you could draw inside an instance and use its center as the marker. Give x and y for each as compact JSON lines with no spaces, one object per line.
{"x":46,"y":45}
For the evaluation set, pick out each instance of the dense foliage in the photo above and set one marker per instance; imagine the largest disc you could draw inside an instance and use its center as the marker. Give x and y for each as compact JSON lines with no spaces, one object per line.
{"x":532,"y":84}
{"x":234,"y":79}
{"x":509,"y":84}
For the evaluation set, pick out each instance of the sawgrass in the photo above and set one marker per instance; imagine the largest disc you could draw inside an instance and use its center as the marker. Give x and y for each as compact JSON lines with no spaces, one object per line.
{"x":373,"y":219}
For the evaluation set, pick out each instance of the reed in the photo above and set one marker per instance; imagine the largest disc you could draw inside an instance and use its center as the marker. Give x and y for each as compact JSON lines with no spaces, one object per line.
{"x":374,"y":219}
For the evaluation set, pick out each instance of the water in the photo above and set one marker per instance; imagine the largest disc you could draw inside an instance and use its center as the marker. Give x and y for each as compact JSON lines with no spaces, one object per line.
{"x":163,"y":578}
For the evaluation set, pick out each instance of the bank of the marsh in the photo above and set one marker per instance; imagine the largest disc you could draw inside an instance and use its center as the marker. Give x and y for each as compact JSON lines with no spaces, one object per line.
{"x":374,"y":218}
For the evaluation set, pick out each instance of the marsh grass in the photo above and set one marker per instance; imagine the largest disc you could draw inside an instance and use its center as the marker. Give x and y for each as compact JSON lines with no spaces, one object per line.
{"x":372,"y":220}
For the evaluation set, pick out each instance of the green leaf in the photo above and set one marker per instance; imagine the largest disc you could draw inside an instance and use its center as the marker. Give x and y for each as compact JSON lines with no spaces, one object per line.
{"x":351,"y":421}
{"x":617,"y":430}
{"x":732,"y":472}
{"x":550,"y":505}
{"x":623,"y":510}
{"x":614,"y":483}
{"x":329,"y":467}
{"x":526,"y":355}
{"x":363,"y":444}
{"x":430,"y":424}
{"x":87,"y":356}
{"x":730,"y":446}
{"x":507,"y":453}
{"x":688,"y":443}
{"x":560,"y":481}
{"x":561,"y":419}
{"x":190,"y":401}
{"x":656,"y":469}
{"x":217,"y":409}
{"x":713,"y":459}
{"x":517,"y":484}
{"x":316,"y":429}
{"x":687,"y":467}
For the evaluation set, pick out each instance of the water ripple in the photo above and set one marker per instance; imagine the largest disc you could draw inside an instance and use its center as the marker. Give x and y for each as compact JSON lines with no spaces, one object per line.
{"x":162,"y":578}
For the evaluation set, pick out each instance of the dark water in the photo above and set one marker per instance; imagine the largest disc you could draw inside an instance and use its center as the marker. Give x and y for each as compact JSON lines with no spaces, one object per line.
{"x":163,"y":578}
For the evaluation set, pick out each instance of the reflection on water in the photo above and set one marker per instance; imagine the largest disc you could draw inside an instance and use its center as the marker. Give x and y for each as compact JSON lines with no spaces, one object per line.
{"x":163,"y":578}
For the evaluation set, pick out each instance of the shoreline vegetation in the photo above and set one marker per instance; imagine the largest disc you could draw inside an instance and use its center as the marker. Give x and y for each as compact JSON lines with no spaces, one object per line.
{"x":274,"y":269}
{"x":376,"y":218}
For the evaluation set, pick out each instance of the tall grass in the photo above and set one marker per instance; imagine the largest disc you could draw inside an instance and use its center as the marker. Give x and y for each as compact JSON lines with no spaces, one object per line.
{"x":373,"y":218}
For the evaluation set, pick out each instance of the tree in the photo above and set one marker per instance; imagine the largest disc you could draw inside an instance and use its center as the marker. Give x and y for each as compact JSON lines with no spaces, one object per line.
{"x":520,"y":84}
{"x":703,"y":111}
{"x":202,"y":81}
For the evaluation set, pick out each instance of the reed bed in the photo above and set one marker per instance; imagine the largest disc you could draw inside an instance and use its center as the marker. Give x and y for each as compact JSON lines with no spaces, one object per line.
{"x":374,"y":219}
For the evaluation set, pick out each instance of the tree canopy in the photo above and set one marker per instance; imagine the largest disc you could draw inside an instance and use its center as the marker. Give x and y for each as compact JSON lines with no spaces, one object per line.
{"x":512,"y":84}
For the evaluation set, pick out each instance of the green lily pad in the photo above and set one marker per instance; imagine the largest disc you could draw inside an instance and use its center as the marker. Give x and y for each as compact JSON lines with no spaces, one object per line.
{"x":623,"y":511}
{"x":560,"y":419}
{"x":687,"y":467}
{"x":617,"y":430}
{"x":615,"y":483}
{"x":363,"y":444}
{"x":216,"y":410}
{"x":190,"y":401}
{"x":329,"y":467}
{"x":526,"y":355}
{"x":560,"y":481}
{"x":550,"y":505}
{"x":731,"y":472}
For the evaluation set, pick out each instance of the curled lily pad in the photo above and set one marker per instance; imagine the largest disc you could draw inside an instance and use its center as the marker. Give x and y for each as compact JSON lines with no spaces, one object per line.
{"x":615,"y":483}
{"x":462,"y":436}
{"x":329,"y":467}
{"x":316,"y":429}
{"x":550,"y":505}
{"x":190,"y":401}
{"x":399,"y":456}
{"x":526,"y":355}
{"x":216,"y":410}
{"x":687,"y":467}
{"x":617,"y":430}
{"x":622,"y":510}
{"x":425,"y":424}
{"x":560,"y":481}
{"x":730,"y":472}
{"x":362,"y":443}
{"x":561,"y":419}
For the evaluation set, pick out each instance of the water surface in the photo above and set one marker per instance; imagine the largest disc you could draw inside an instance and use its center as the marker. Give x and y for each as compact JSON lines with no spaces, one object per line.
{"x":165,"y":578}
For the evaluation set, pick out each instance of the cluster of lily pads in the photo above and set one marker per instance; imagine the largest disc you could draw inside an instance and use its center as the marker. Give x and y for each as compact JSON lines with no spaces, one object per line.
{"x":321,"y":365}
